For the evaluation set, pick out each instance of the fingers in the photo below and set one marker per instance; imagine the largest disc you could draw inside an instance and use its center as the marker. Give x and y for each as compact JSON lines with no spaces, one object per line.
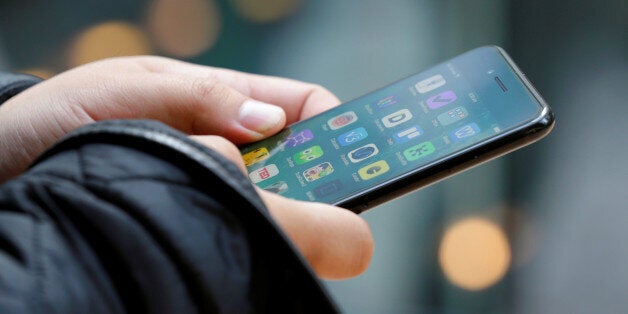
{"x":299,"y":100}
{"x":203,"y":100}
{"x":194,"y":99}
{"x":216,"y":108}
{"x":192,"y":105}
{"x":336,"y":242}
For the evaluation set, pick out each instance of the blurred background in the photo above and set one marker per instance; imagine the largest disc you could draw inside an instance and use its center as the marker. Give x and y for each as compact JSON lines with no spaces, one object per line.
{"x":539,"y":231}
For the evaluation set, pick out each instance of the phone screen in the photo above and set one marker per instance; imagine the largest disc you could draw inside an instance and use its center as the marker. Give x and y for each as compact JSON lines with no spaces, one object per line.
{"x":394,"y":131}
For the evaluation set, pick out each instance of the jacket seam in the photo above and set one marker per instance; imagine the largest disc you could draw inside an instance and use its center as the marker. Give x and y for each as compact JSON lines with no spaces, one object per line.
{"x":40,"y":271}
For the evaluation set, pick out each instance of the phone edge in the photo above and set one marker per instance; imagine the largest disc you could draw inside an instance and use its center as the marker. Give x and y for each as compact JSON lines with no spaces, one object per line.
{"x":525,"y":135}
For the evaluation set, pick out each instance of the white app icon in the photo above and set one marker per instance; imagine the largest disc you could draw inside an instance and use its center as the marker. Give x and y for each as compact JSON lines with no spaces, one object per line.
{"x":465,"y":131}
{"x":430,"y":83}
{"x":363,"y":152}
{"x":264,"y":173}
{"x":409,"y":133}
{"x":397,"y":118}
{"x":342,"y":120}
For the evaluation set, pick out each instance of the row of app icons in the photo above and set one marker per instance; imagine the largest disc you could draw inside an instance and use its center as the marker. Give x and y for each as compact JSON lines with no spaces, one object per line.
{"x":368,"y":172}
{"x":437,"y":101}
{"x":324,"y":169}
{"x":358,"y":134}
{"x":357,"y":155}
{"x":388,"y":121}
{"x":353,"y":136}
{"x":404,"y":115}
{"x":424,"y":86}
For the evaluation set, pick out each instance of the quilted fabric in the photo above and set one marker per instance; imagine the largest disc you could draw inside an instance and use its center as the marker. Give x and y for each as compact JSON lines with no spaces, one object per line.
{"x":132,"y":216}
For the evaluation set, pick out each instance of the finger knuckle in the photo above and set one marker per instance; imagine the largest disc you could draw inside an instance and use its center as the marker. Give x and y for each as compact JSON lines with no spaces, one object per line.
{"x":207,"y":88}
{"x":317,"y":88}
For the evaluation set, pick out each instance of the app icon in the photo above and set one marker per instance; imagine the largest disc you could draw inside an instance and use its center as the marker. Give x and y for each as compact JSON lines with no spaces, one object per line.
{"x":255,"y":156}
{"x":352,"y":136}
{"x":279,"y":187}
{"x":408,"y":134}
{"x":363,"y":152}
{"x":452,"y":115}
{"x":299,"y":138}
{"x":442,"y":99}
{"x":430,"y":83}
{"x":264,"y":173}
{"x":342,"y":120}
{"x":385,"y":102}
{"x":417,"y":151}
{"x":373,"y":170}
{"x":307,"y":155}
{"x":464,"y":132}
{"x":318,"y":171}
{"x":397,"y":118}
{"x":328,"y":189}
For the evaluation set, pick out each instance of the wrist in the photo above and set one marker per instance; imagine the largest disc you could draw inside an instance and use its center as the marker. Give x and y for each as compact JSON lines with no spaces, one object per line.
{"x":12,"y":151}
{"x":12,"y":84}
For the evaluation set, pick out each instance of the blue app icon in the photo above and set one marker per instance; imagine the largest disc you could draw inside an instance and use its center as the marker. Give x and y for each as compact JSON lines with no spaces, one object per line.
{"x":463,"y":132}
{"x":352,"y":136}
{"x":408,"y":134}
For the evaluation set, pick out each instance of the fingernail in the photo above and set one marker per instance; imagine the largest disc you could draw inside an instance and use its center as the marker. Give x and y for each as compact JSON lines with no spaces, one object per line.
{"x":260,"y":117}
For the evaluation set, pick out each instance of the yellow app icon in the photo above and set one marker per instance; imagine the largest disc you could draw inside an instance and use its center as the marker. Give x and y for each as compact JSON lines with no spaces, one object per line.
{"x":373,"y":170}
{"x":255,"y":156}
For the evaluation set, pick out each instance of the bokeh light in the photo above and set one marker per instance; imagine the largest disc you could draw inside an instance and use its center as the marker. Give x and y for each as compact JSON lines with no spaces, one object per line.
{"x":184,"y":28}
{"x":265,"y":11}
{"x":474,"y":253}
{"x":109,"y":39}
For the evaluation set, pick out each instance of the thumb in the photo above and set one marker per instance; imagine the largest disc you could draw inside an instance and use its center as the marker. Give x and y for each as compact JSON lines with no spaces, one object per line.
{"x":198,"y":106}
{"x":120,"y":89}
{"x":335,"y":241}
{"x":221,"y":110}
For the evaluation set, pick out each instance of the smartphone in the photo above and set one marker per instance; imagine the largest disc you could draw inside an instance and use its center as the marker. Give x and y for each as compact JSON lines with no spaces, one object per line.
{"x":404,"y":136}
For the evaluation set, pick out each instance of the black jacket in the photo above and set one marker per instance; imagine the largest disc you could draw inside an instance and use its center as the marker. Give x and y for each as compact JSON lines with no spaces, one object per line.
{"x":132,"y":216}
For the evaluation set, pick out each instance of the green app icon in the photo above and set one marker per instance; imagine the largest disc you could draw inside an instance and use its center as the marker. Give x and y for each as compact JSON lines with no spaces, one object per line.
{"x":417,"y":151}
{"x":307,"y":155}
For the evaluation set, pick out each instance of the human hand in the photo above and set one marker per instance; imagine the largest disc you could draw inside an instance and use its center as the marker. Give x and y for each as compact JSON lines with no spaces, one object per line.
{"x":197,"y":100}
{"x":194,"y":99}
{"x":335,"y":241}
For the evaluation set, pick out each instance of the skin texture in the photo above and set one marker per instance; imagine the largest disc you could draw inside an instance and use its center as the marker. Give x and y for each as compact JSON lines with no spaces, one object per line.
{"x":217,"y":107}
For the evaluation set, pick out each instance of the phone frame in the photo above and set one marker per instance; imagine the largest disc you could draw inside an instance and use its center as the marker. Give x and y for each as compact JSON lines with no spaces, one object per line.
{"x":467,"y":158}
{"x":511,"y":138}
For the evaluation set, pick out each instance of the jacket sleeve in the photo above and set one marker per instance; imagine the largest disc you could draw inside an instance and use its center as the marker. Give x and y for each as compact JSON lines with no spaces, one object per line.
{"x":132,"y":216}
{"x":12,"y":84}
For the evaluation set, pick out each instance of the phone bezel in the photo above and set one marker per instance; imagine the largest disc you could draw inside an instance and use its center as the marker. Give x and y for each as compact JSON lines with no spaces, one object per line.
{"x":503,"y":143}
{"x":512,"y":138}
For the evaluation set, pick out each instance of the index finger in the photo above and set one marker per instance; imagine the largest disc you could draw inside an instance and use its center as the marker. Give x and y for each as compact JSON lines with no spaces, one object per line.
{"x":299,"y":100}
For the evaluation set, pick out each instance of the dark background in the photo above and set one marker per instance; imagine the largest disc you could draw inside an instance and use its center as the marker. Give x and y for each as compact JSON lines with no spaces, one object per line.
{"x":539,"y":231}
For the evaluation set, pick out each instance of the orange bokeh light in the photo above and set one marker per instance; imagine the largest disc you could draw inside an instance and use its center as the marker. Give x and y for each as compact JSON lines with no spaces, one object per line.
{"x":474,"y":253}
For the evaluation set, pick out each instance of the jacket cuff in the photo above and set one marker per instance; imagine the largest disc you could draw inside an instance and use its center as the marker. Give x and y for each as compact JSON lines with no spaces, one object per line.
{"x":157,"y":139}
{"x":12,"y":84}
{"x":290,"y":277}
